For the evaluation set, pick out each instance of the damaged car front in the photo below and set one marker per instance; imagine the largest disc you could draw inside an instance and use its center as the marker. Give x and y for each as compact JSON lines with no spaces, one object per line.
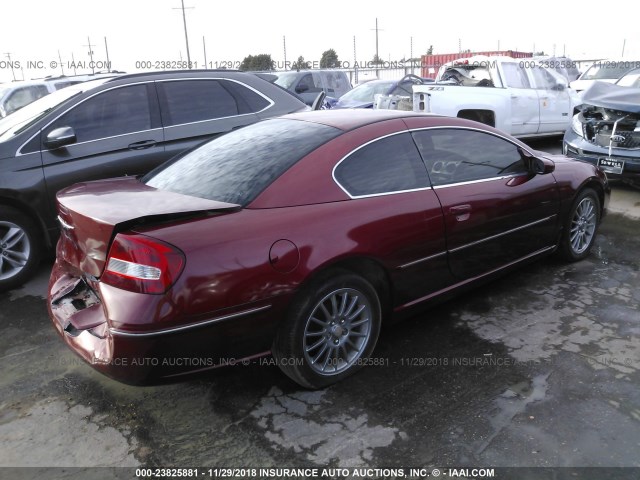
{"x":606,"y":131}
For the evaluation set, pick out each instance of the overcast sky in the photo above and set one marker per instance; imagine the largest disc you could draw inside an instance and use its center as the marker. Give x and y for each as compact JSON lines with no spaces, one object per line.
{"x":152,"y":30}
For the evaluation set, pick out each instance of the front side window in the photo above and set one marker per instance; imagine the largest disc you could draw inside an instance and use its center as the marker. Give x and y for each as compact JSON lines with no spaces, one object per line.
{"x":115,"y":112}
{"x":189,"y":101}
{"x":516,"y":77}
{"x":391,"y":164}
{"x":460,"y":155}
{"x":236,"y":167}
{"x":543,"y":79}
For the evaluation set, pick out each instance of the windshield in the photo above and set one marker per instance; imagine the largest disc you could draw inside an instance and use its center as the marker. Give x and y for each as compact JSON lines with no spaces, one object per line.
{"x":19,"y":120}
{"x":365,"y":92}
{"x":607,"y":70}
{"x":631,"y":79}
{"x":286,"y":80}
{"x":236,"y":167}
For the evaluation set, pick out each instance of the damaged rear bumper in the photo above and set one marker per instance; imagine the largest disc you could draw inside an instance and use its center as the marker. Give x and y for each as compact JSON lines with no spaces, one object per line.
{"x":148,"y":355}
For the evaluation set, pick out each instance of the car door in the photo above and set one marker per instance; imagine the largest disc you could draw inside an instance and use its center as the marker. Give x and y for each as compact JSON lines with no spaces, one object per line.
{"x":555,"y":101}
{"x":525,"y":112}
{"x":309,"y":86}
{"x":198,"y":109}
{"x":117,"y":131}
{"x":388,"y":180}
{"x":495,"y":211}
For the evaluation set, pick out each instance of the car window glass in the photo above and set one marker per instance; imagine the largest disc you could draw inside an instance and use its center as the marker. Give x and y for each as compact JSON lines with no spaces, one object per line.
{"x":391,"y":164}
{"x":188,"y":101}
{"x":24,"y":96}
{"x":239,"y":165}
{"x":459,"y":155}
{"x":114,"y":112}
{"x":248,"y":100}
{"x":543,"y":79}
{"x":516,"y":77}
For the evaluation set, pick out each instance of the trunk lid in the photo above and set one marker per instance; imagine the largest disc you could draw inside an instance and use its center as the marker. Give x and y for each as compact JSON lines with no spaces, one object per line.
{"x":91,"y":213}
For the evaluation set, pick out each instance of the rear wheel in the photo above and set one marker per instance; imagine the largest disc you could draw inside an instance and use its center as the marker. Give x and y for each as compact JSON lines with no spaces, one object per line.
{"x":331,"y":327}
{"x":581,"y":226}
{"x":20,"y":248}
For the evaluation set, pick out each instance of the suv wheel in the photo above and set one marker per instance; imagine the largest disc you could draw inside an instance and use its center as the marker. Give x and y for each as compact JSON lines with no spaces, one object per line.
{"x":20,"y":248}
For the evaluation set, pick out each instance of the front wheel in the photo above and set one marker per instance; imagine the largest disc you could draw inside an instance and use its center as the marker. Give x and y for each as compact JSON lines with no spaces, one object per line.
{"x":331,"y":327}
{"x":581,"y":226}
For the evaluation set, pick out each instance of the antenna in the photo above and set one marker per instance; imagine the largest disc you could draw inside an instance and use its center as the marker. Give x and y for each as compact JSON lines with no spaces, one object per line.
{"x":8,"y":55}
{"x":89,"y":45}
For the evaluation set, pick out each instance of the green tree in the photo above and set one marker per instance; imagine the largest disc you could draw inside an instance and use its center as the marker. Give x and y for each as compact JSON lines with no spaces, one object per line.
{"x":300,"y":64}
{"x":329,"y":59}
{"x":256,"y":63}
{"x":430,"y":50}
{"x":376,"y":60}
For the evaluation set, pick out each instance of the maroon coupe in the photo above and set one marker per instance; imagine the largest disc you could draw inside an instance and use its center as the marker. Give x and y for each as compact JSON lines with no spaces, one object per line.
{"x":298,"y":236}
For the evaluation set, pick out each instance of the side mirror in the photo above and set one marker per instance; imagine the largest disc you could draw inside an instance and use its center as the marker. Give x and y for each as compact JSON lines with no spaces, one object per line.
{"x":559,"y":87}
{"x":319,"y":101}
{"x":60,"y":137}
{"x":302,"y":88}
{"x":537,"y":165}
{"x":542,"y":166}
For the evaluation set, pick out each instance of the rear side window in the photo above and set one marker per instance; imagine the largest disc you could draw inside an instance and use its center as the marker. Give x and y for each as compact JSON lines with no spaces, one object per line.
{"x":188,"y":101}
{"x":249,"y":101}
{"x":236,"y":167}
{"x":391,"y":164}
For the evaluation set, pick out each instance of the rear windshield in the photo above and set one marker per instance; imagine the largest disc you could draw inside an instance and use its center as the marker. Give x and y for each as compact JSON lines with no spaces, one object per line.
{"x":236,"y":167}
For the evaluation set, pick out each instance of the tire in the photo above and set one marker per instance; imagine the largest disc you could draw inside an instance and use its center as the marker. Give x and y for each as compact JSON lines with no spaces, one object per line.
{"x":580,"y":226}
{"x":20,"y":248}
{"x":332,"y":325}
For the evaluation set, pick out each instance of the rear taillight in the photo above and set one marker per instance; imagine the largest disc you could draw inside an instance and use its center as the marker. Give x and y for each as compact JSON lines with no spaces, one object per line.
{"x":142,"y":264}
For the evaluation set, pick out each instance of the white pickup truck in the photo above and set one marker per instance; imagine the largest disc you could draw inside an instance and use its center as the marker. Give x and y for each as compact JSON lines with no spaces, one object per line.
{"x":516,"y":96}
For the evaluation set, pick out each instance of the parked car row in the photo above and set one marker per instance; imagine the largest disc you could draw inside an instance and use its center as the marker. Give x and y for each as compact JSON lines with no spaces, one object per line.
{"x":15,"y":95}
{"x":295,"y":236}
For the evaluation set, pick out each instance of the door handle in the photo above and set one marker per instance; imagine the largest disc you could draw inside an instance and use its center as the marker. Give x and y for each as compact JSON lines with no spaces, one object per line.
{"x":461,"y":212}
{"x":142,"y":145}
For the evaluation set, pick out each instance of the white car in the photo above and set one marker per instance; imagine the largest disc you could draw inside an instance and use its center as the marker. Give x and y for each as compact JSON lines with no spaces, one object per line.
{"x":603,"y":71}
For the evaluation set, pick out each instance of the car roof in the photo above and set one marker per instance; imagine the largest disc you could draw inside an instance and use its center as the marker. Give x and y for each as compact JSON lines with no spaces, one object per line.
{"x":349,"y":119}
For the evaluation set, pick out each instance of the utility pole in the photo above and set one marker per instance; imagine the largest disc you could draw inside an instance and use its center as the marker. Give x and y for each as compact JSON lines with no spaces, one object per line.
{"x":89,"y":45}
{"x":186,"y":37}
{"x":355,"y":61}
{"x":204,"y":49}
{"x":411,"y":52}
{"x":106,"y":49}
{"x":60,"y":61}
{"x":73,"y":62}
{"x":624,"y":42}
{"x":284,"y":47}
{"x":8,"y":55}
{"x":377,"y":53}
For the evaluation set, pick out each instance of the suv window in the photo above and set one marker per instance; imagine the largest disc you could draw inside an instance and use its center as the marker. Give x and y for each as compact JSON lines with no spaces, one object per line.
{"x":188,"y":101}
{"x":391,"y":164}
{"x":24,"y":96}
{"x":458,"y":155}
{"x":237,"y":166}
{"x":248,"y":100}
{"x":114,"y":112}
